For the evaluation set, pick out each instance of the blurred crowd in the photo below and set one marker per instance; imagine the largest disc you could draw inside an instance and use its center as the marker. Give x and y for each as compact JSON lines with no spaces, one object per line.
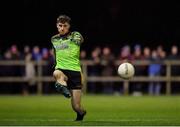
{"x":104,"y":59}
{"x":29,"y":71}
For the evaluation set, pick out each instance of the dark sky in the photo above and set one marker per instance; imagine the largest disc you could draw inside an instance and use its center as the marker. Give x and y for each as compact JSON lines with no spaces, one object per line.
{"x":110,"y":22}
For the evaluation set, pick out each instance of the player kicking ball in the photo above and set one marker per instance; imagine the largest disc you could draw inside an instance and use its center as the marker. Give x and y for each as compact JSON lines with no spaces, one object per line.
{"x":67,"y":72}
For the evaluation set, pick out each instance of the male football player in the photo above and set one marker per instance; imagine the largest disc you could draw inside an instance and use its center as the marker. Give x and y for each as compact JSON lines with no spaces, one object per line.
{"x":67,"y":71}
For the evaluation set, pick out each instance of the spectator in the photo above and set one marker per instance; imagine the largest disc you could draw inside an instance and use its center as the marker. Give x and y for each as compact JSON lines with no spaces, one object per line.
{"x":14,"y":70}
{"x":16,"y":56}
{"x":107,"y":62}
{"x":83,"y":55}
{"x":125,"y":54}
{"x":36,"y":55}
{"x":153,"y":71}
{"x":146,"y":53}
{"x":29,"y":74}
{"x":15,"y":52}
{"x":162,"y":56}
{"x":46,"y":69}
{"x":45,"y":57}
{"x":95,"y":69}
{"x":174,"y":56}
{"x":140,"y":70}
{"x":146,"y":56}
{"x":175,"y":69}
{"x":27,"y":50}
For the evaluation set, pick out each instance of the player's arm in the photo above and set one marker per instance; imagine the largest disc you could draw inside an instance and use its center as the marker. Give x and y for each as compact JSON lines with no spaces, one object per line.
{"x":54,"y":51}
{"x":77,"y":38}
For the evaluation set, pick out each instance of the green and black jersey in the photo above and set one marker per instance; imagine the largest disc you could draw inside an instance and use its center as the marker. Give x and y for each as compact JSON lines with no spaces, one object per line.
{"x":67,"y":51}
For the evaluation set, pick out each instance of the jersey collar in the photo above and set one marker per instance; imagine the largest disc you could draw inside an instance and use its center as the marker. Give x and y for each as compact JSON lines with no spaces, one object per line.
{"x":65,"y":35}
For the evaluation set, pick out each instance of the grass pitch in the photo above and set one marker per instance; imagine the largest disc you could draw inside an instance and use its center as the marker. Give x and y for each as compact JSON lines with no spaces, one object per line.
{"x":101,"y":110}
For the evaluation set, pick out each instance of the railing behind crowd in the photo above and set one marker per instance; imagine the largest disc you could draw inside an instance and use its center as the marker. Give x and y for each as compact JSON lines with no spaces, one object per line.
{"x":168,"y":78}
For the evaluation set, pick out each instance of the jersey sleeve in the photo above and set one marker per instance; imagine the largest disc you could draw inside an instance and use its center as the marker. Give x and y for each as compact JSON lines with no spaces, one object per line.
{"x":77,"y":38}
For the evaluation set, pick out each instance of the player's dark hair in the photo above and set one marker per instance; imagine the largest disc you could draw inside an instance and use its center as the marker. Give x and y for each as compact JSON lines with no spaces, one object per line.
{"x":63,"y":19}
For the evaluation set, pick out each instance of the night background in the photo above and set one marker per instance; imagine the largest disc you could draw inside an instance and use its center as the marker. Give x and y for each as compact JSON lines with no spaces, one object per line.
{"x":110,"y":22}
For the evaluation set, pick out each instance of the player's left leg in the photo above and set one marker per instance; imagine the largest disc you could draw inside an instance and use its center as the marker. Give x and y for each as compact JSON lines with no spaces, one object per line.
{"x":76,"y":104}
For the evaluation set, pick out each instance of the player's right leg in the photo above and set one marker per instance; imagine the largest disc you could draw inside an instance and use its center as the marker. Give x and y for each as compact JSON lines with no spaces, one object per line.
{"x":61,"y":83}
{"x":76,"y":104}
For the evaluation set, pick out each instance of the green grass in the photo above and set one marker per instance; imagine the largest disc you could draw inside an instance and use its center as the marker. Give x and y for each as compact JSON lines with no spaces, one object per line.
{"x":101,"y":110}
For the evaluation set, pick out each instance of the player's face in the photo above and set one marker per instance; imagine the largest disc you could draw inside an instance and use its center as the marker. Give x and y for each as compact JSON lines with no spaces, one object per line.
{"x":63,"y":28}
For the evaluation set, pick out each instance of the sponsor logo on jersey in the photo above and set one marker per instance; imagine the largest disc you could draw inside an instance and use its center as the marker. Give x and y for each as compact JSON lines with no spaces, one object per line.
{"x":61,"y":46}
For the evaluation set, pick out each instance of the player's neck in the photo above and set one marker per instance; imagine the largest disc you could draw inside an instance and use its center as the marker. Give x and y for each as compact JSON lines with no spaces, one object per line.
{"x":64,"y":35}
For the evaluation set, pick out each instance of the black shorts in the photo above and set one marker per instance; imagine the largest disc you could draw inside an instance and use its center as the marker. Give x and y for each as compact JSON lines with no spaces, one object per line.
{"x":74,"y":79}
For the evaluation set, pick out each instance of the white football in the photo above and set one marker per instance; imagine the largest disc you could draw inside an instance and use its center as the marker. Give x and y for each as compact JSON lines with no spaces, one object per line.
{"x":126,"y":70}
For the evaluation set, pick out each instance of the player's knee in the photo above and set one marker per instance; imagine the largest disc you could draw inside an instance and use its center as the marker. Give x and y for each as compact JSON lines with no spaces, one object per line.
{"x":57,"y":73}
